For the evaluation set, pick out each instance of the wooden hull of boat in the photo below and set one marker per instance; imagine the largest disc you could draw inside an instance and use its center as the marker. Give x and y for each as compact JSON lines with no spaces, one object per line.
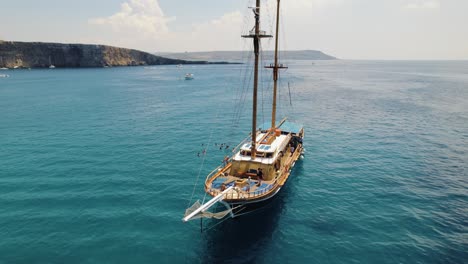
{"x":242,"y":208}
{"x":249,"y":206}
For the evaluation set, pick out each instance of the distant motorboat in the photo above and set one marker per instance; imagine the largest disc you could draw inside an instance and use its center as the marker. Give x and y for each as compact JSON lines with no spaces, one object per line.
{"x":15,"y":67}
{"x":179,"y":66}
{"x":4,"y":75}
{"x":189,"y":76}
{"x":3,"y":68}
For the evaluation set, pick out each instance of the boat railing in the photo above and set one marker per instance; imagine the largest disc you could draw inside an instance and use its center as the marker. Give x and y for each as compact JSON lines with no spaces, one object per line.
{"x":221,"y":167}
{"x":213,"y":172}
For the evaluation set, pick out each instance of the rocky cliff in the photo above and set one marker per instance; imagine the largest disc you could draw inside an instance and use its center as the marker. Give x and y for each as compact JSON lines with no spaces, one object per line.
{"x":38,"y":54}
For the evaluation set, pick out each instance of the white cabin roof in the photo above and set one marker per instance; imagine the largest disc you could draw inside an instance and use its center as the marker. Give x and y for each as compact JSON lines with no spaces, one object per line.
{"x":266,"y":148}
{"x":274,"y":148}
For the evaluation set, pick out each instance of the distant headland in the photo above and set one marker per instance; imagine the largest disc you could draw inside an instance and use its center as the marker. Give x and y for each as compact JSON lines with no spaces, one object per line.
{"x":15,"y":54}
{"x":237,"y":56}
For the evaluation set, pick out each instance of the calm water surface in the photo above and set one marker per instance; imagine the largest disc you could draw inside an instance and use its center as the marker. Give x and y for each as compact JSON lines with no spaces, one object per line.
{"x":98,"y":165}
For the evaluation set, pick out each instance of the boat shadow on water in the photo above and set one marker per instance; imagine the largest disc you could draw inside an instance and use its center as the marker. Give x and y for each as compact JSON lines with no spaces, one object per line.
{"x":243,"y":239}
{"x":246,"y":239}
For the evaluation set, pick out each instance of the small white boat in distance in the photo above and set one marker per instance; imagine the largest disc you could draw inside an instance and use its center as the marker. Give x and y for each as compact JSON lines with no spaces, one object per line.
{"x":4,"y":75}
{"x":51,"y":65}
{"x":3,"y":68}
{"x":189,"y":76}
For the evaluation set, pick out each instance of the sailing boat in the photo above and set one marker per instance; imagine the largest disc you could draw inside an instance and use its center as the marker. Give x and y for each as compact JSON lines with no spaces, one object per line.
{"x":261,"y":165}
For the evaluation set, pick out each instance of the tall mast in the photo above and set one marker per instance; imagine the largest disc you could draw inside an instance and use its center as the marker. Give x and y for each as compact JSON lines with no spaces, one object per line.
{"x":256,"y":35}
{"x":275,"y":68}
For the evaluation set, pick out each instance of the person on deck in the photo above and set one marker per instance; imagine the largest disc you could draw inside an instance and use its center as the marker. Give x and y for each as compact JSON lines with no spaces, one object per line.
{"x":260,"y":174}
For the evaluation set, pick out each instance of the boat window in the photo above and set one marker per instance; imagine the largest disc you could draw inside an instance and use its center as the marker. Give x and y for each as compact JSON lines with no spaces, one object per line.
{"x":252,"y":171}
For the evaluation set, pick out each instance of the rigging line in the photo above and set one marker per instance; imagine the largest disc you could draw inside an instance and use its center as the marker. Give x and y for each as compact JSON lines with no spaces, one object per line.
{"x":236,"y":99}
{"x":203,"y":162}
{"x":198,"y":176}
{"x":235,"y":112}
{"x":241,"y":88}
{"x":246,"y":84}
{"x":262,"y":87}
{"x":282,"y":104}
{"x":204,"y":158}
{"x":266,"y":85}
{"x":242,"y":69}
{"x":278,"y":96}
{"x":293,"y":108}
{"x":245,"y":95}
{"x":237,"y":96}
{"x":288,"y":106}
{"x":236,"y":108}
{"x":242,"y":101}
{"x":283,"y":41}
{"x":209,"y":144}
{"x":213,"y":226}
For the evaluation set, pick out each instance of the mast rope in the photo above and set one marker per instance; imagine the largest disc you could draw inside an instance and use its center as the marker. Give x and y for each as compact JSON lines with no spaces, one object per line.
{"x":241,"y":93}
{"x":226,"y":218}
{"x":240,"y":100}
{"x":204,"y":154}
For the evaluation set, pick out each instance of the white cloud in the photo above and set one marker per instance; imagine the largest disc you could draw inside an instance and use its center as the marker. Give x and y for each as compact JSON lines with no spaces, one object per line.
{"x":220,"y":33}
{"x":137,"y":16}
{"x":142,"y":24}
{"x":424,"y":4}
{"x":310,"y":3}
{"x":302,"y":6}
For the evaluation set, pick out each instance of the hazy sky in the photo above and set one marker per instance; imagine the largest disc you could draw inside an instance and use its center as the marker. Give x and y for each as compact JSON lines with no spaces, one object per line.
{"x":349,"y":29}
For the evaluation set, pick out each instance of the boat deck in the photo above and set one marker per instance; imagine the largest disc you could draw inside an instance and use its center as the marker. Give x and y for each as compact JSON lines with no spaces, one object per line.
{"x":246,"y":188}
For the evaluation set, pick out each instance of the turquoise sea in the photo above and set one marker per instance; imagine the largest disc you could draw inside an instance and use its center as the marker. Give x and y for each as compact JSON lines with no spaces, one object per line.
{"x":98,"y":165}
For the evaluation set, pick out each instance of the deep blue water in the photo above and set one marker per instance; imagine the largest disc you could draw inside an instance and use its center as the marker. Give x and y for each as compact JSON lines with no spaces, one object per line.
{"x":98,"y":165}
